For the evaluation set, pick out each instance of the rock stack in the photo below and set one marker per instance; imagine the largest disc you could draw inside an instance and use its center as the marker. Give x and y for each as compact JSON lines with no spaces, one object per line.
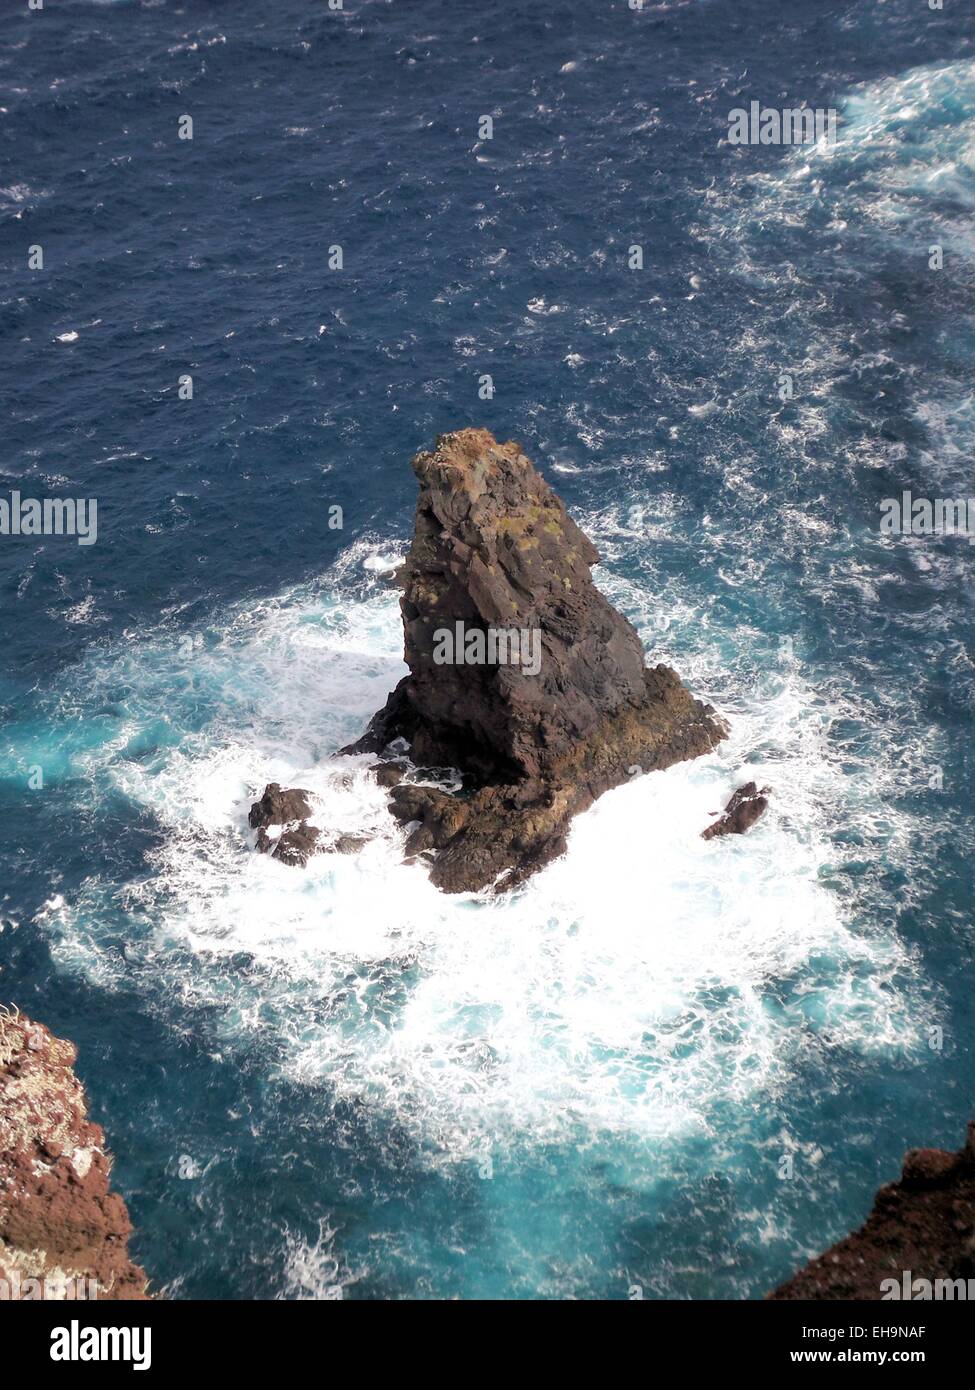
{"x":522,"y":675}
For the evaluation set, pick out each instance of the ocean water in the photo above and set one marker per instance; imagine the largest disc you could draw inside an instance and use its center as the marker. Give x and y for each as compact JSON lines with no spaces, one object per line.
{"x":341,"y":1083}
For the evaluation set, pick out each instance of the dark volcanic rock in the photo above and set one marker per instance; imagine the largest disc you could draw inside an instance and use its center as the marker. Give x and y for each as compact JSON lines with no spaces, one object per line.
{"x":746,"y":806}
{"x":298,"y":840}
{"x":295,"y":845}
{"x":389,"y":774}
{"x":279,"y":807}
{"x":63,"y":1231}
{"x":923,"y":1225}
{"x":495,"y":550}
{"x":288,"y":807}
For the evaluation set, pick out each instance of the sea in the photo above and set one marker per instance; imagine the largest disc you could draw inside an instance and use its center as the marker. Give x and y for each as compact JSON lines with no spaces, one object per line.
{"x":665,"y":1068}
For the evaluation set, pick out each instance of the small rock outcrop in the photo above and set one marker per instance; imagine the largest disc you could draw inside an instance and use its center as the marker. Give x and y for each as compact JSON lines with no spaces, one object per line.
{"x":746,"y":806}
{"x":63,"y":1232}
{"x":522,"y":675}
{"x":279,"y":806}
{"x":921,"y":1230}
{"x":290,"y":808}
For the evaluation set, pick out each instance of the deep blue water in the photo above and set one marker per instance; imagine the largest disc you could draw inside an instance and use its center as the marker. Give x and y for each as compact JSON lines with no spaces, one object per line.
{"x":377,"y":1091}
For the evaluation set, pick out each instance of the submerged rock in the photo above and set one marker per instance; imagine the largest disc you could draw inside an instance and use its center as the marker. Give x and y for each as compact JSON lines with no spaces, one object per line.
{"x":63,"y":1232}
{"x":921,"y":1230}
{"x":746,"y":806}
{"x":350,"y":844}
{"x":389,"y":774}
{"x":522,"y":675}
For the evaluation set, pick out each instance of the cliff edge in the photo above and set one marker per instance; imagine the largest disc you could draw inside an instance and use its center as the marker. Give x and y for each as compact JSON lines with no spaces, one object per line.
{"x":63,"y":1232}
{"x":921,"y":1231}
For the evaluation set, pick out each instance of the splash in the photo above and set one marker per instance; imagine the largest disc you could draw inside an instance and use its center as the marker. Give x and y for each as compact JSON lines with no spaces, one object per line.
{"x":638,"y":981}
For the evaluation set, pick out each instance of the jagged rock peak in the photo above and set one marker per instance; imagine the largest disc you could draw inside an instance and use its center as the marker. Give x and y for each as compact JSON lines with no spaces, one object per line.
{"x":522,"y":674}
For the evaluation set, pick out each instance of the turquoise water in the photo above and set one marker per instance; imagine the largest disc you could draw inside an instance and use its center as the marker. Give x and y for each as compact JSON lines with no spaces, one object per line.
{"x":341,"y":1083}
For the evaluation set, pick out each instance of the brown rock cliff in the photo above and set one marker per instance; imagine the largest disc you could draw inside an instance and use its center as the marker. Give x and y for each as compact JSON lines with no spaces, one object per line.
{"x":63,"y":1232}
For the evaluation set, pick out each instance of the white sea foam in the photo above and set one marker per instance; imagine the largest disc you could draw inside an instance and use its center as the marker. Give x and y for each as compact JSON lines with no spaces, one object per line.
{"x":903,"y":164}
{"x":627,"y":988}
{"x":312,"y":1269}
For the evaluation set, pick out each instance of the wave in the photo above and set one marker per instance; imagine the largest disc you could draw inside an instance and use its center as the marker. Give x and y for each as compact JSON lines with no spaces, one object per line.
{"x":633,"y":986}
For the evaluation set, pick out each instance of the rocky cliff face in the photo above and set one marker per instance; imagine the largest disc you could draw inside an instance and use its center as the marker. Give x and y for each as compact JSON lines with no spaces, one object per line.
{"x":921,"y":1228}
{"x":498,"y":566}
{"x":63,"y":1232}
